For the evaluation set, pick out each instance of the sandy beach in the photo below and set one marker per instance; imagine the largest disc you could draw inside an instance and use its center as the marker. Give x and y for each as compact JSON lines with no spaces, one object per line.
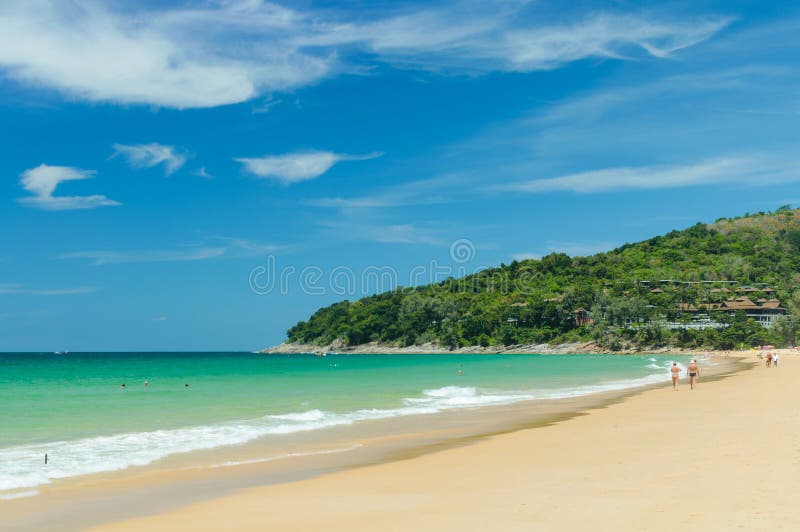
{"x":721,"y":457}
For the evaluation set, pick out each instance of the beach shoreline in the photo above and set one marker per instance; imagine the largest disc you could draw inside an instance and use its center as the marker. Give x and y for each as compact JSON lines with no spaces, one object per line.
{"x":175,"y":485}
{"x":720,"y":457}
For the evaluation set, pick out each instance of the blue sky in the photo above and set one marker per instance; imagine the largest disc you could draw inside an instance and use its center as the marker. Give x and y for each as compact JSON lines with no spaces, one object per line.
{"x":162,"y":160}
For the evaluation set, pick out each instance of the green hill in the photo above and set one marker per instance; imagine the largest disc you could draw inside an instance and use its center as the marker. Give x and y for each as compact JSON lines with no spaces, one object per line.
{"x":705,"y":286}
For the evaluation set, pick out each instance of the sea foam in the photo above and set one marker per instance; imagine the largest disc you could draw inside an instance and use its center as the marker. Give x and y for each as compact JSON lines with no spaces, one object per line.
{"x":22,"y":467}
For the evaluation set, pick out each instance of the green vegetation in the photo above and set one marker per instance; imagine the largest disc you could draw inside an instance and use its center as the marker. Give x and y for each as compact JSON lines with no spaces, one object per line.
{"x":619,"y":297}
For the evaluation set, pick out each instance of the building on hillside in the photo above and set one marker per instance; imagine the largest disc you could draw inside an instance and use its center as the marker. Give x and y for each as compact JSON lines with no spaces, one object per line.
{"x":755,"y":290}
{"x":764,"y":311}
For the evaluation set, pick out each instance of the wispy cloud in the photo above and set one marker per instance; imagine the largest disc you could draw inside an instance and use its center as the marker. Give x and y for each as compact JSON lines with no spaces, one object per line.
{"x":245,"y":246}
{"x":100,"y":258}
{"x":202,"y":172}
{"x":223,"y":246}
{"x":299,"y":166}
{"x":216,"y":54}
{"x":354,"y":226}
{"x":219,"y":53}
{"x":439,"y":189}
{"x":13,"y":288}
{"x":42,"y":182}
{"x":266,"y":104}
{"x":743,"y":170}
{"x":150,"y":155}
{"x":402,"y":234}
{"x":446,"y":39}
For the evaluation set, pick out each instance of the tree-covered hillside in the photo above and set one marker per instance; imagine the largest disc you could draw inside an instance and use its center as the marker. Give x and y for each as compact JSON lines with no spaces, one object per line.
{"x":631,"y":296}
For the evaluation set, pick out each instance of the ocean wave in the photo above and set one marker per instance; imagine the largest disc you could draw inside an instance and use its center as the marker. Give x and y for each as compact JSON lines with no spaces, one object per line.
{"x":18,"y":494}
{"x":233,"y":463}
{"x":22,"y":467}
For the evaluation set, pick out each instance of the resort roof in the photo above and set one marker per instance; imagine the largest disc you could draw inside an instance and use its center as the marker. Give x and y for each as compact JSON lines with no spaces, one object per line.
{"x":745,"y":303}
{"x":754,"y":289}
{"x":772,"y":303}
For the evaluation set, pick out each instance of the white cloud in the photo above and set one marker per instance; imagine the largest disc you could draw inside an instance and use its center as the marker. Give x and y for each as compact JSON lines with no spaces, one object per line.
{"x":150,"y":155}
{"x":43,"y":180}
{"x":295,"y":167}
{"x":502,"y":40}
{"x":757,"y":169}
{"x":100,"y":258}
{"x":226,"y":51}
{"x":224,"y":246}
{"x":352,"y":225}
{"x":244,"y":247}
{"x":208,"y":56}
{"x":743,"y":170}
{"x":441,"y":189}
{"x":605,"y":36}
{"x":401,"y":234}
{"x":202,"y":172}
{"x":13,"y":288}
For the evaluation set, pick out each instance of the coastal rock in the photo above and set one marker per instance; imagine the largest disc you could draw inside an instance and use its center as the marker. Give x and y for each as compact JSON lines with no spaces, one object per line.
{"x":376,"y":348}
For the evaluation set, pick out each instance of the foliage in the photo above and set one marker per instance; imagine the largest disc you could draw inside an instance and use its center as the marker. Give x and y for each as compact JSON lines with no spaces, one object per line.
{"x":624,"y":290}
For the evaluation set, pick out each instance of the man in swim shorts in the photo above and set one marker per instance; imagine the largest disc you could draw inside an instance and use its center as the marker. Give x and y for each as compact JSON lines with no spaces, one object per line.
{"x":676,"y":373}
{"x":694,"y":372}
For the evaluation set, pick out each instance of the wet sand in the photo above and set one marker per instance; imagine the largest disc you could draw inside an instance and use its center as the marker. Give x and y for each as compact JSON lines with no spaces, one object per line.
{"x":168,"y":489}
{"x":721,"y":457}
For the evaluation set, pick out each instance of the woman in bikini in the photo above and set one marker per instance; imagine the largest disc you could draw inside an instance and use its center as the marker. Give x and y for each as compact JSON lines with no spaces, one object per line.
{"x":694,"y":372}
{"x":676,"y":373}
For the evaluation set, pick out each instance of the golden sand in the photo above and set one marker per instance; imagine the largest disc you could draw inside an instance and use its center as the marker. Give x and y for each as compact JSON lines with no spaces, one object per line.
{"x":724,"y":456}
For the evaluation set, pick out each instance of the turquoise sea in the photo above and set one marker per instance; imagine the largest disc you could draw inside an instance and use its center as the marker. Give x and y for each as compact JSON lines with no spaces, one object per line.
{"x":74,"y":408}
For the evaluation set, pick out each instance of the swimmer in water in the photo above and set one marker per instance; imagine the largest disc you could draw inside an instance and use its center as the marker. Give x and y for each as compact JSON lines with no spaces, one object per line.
{"x":459,"y":370}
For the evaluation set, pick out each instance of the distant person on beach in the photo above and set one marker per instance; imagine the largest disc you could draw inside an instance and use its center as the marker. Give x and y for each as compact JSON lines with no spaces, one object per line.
{"x":769,"y":360}
{"x":676,"y":373}
{"x":694,"y":372}
{"x":775,"y":359}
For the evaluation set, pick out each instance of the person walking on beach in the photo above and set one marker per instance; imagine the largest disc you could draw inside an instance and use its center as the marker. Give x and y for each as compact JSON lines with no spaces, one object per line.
{"x":676,"y":373}
{"x":694,"y":372}
{"x":769,"y":360}
{"x":775,"y":360}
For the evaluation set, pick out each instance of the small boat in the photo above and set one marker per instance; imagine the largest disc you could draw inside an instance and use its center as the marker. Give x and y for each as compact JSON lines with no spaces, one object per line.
{"x":61,"y":352}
